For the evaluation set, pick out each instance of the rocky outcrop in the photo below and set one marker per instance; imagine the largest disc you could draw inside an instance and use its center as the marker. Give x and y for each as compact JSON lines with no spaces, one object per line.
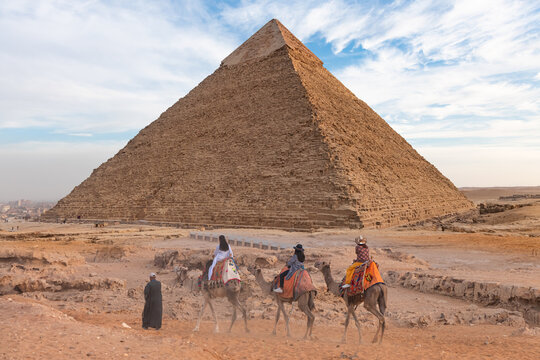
{"x":54,"y":285}
{"x":523,"y":299}
{"x":259,"y":260}
{"x":37,"y":257}
{"x":24,"y":271}
{"x":110,"y":253}
{"x":471,"y":315}
{"x":191,"y":259}
{"x":166,"y":258}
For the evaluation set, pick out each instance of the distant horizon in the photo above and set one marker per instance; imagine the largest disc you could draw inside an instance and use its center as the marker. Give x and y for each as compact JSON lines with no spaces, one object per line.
{"x":459,"y":188}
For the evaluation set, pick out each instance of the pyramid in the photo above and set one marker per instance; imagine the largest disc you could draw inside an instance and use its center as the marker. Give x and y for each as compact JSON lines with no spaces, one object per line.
{"x":270,"y":139}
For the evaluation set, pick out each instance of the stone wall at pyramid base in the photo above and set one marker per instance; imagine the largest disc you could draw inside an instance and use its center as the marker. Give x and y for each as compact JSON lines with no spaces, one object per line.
{"x":383,"y":216}
{"x":206,"y":215}
{"x":408,"y":211}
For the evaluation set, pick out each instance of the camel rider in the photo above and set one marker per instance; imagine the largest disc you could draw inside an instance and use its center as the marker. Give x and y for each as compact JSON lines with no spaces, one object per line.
{"x":296,"y":262}
{"x":362,"y":257}
{"x":222,"y":252}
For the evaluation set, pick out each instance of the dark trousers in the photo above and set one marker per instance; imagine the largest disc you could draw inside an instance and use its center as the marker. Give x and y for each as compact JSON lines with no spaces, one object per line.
{"x":282,"y":278}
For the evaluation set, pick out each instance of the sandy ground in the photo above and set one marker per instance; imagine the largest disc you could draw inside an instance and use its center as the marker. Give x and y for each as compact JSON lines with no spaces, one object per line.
{"x":94,"y":279}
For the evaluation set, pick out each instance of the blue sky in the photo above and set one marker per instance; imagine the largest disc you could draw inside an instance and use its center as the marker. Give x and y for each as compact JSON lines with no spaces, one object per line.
{"x":460,"y":80}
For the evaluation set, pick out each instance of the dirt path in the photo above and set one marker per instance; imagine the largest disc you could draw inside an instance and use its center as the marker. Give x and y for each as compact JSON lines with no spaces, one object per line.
{"x":63,"y":337}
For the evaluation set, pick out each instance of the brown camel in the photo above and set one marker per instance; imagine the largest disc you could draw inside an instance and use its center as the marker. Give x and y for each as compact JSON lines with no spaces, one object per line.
{"x":376,"y":294}
{"x":305,"y":303}
{"x":231,"y":291}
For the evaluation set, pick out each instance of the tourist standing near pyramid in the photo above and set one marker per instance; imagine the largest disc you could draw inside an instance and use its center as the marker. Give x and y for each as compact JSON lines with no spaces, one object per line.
{"x":153,"y":307}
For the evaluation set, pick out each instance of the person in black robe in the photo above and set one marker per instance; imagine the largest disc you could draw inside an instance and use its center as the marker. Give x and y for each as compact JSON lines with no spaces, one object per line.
{"x":153,"y":307}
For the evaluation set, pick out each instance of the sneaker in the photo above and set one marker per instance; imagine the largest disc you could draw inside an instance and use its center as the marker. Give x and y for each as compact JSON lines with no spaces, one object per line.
{"x":346,"y":286}
{"x":278,"y":290}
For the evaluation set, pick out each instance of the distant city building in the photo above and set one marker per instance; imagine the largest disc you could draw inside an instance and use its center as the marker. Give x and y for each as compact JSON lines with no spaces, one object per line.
{"x":24,"y":209}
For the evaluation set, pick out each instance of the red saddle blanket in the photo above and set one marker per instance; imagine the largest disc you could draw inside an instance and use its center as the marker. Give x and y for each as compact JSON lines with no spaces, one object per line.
{"x":296,"y":286}
{"x":364,"y":277}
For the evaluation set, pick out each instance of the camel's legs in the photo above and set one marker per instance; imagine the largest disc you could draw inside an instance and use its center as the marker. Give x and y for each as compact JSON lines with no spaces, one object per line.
{"x":310,"y":300}
{"x":370,"y":303}
{"x":277,"y":318}
{"x":216,"y":328}
{"x":200,"y":315}
{"x":236,"y":304}
{"x":303,"y":305}
{"x":350,"y":309}
{"x":244,"y":314}
{"x":357,"y":326}
{"x":281,"y":308}
{"x":233,"y":318}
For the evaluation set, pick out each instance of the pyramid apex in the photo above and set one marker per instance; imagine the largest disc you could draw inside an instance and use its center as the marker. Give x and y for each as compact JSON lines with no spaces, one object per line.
{"x":271,"y":37}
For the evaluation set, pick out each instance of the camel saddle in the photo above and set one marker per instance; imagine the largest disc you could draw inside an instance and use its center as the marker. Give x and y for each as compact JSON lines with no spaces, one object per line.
{"x":224,"y":271}
{"x":297,"y":285}
{"x":364,"y":277}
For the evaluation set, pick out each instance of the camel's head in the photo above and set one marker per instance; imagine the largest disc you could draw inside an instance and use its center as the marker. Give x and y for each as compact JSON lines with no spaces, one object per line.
{"x":253,"y":269}
{"x":181,"y":274}
{"x":322,"y":265}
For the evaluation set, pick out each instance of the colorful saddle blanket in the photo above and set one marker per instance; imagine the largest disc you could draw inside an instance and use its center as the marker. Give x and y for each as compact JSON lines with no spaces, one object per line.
{"x":296,"y":286}
{"x":364,"y":277}
{"x":224,"y":271}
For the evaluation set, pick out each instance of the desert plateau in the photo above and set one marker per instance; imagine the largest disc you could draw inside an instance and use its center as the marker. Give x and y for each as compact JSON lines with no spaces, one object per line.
{"x":458,"y":288}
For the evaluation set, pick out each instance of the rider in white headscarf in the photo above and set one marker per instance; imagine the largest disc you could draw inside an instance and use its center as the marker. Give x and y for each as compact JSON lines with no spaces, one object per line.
{"x":223,"y":251}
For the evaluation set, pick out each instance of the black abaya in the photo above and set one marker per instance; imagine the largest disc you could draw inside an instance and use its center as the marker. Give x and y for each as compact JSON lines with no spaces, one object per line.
{"x":153,"y":307}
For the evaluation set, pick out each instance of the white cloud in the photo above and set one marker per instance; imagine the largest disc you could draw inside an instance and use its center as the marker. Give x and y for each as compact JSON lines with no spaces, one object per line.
{"x":80,"y":134}
{"x":480,"y":48}
{"x":101,"y":66}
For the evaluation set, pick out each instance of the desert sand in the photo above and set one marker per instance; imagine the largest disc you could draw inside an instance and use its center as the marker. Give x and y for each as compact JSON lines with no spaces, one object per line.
{"x":471,"y":291}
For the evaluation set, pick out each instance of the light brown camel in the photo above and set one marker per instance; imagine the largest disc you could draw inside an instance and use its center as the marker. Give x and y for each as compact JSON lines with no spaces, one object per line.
{"x":376,"y":294}
{"x":305,"y":303}
{"x":231,"y":291}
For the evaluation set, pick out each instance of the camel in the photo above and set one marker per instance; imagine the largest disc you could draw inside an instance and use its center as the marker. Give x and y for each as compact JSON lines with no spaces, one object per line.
{"x":305,"y":303}
{"x":376,"y":294}
{"x":231,"y":291}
